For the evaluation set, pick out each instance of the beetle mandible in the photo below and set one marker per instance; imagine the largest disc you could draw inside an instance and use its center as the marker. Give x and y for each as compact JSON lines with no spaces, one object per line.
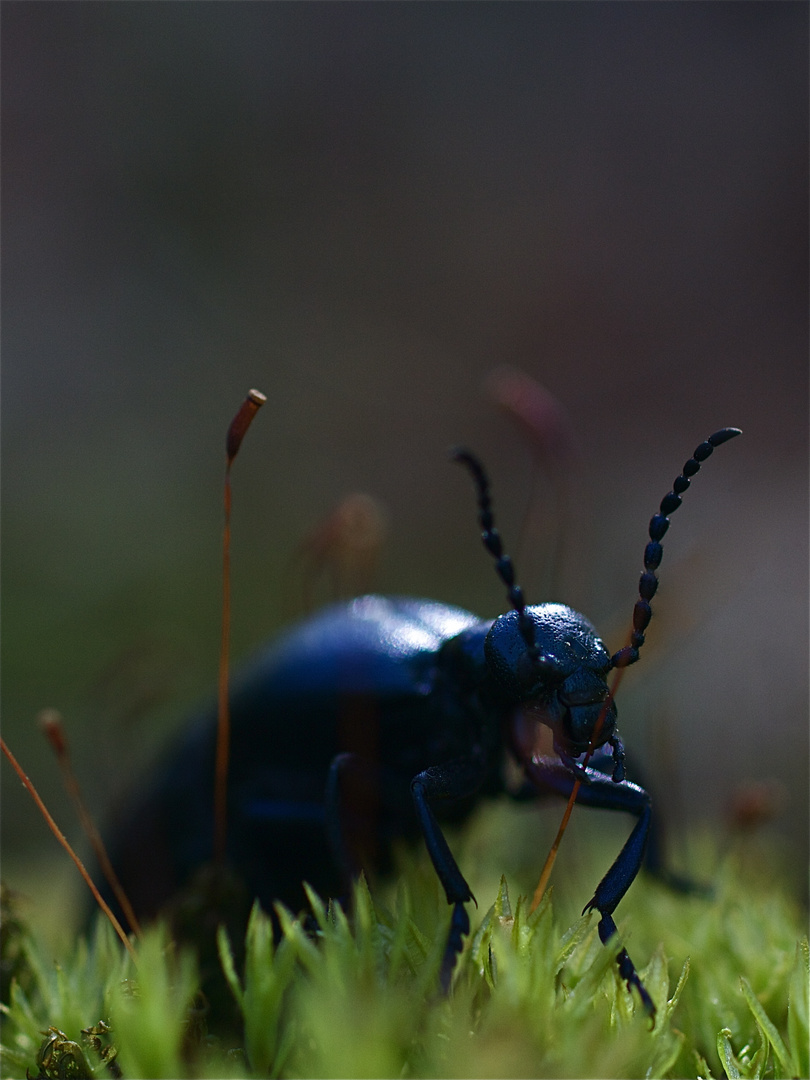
{"x":378,"y":719}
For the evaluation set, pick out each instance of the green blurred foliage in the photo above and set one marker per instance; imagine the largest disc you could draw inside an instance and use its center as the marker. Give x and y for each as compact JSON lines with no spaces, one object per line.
{"x":532,"y":995}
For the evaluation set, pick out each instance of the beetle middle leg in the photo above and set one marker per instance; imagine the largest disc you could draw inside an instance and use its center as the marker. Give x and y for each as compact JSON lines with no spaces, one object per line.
{"x":601,"y":791}
{"x":454,"y":780}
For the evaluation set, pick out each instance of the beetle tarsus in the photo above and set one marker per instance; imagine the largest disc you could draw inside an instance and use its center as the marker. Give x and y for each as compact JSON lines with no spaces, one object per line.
{"x":618,"y":757}
{"x":571,"y":764}
{"x":459,"y":928}
{"x":627,"y":969}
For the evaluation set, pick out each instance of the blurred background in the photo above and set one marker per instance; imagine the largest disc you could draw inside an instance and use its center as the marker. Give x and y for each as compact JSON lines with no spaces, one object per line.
{"x":362,"y":209}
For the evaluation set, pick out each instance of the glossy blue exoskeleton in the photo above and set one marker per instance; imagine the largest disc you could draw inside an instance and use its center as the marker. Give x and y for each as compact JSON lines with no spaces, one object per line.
{"x":377,"y":719}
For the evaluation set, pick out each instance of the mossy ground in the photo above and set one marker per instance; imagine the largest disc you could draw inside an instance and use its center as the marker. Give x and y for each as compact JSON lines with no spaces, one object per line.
{"x":533,"y":995}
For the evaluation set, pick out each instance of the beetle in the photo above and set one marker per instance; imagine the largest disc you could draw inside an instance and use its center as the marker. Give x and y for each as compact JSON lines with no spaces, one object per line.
{"x":380,"y":719}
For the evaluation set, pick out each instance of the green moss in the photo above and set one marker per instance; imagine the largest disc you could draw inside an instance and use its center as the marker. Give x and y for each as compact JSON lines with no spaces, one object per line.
{"x":532,"y":995}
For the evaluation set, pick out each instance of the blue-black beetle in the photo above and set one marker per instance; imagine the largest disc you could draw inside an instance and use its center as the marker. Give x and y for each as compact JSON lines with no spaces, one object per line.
{"x":377,"y":719}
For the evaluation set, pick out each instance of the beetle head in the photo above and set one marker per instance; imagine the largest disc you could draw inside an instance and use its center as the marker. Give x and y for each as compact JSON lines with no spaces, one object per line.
{"x":546,"y":659}
{"x":564,"y":686}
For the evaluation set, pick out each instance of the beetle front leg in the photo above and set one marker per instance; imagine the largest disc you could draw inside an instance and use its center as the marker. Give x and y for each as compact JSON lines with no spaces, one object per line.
{"x":454,"y":780}
{"x":601,"y":791}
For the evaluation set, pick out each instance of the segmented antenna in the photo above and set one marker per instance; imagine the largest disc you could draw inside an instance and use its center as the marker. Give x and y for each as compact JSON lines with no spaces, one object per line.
{"x":492,"y":542}
{"x":659,"y":523}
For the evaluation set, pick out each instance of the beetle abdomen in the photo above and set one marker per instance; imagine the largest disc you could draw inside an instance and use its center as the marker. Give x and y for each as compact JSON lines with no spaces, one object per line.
{"x":355,"y":678}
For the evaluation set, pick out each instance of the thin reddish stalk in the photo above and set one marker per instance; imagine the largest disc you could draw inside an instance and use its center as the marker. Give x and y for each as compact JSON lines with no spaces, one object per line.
{"x":52,"y":726}
{"x":57,"y":832}
{"x":236,"y":433}
{"x":572,"y":798}
{"x":223,"y":710}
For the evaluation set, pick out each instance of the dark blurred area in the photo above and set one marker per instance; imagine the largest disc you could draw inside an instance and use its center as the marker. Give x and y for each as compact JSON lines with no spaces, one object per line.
{"x":362,"y":209}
